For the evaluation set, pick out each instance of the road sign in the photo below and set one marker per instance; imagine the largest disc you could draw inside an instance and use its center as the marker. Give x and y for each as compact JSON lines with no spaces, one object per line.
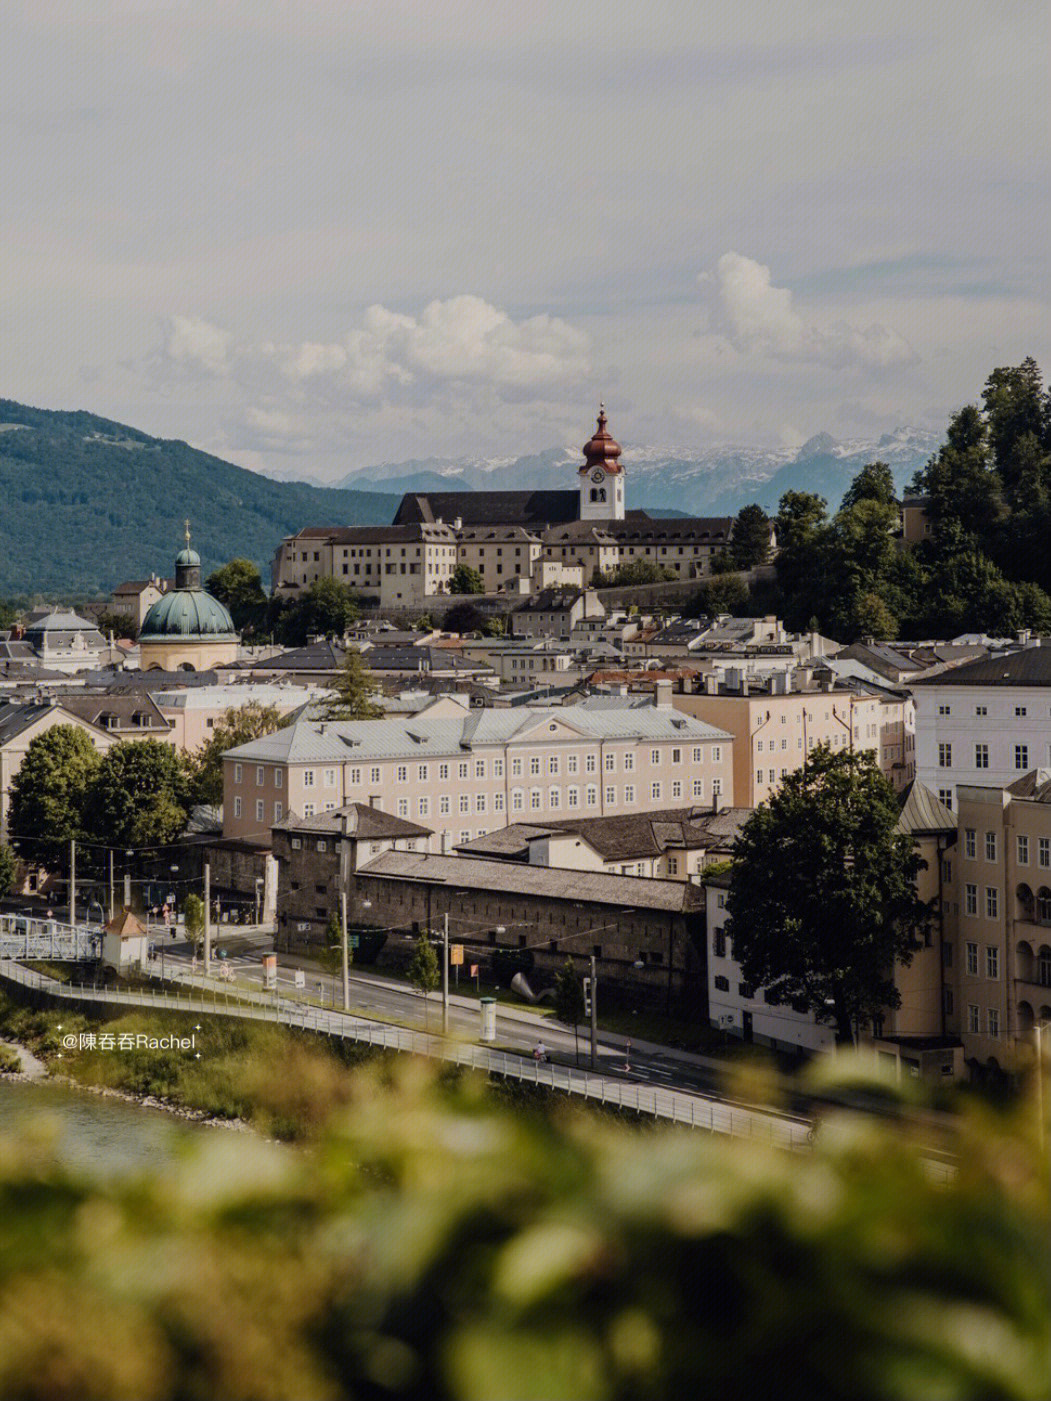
{"x":354,"y":940}
{"x":474,"y":970}
{"x":299,"y":978}
{"x":456,"y":954}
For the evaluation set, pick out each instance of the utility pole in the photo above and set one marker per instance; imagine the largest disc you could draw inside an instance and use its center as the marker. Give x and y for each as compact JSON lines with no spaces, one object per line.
{"x":445,"y":976}
{"x":345,"y":950}
{"x":127,"y":883}
{"x":112,"y":908}
{"x":207,"y":919}
{"x":594,"y":1012}
{"x":72,"y":882}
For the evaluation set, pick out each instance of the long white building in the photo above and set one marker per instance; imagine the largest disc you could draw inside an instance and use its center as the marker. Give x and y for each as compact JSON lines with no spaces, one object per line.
{"x":466,"y":774}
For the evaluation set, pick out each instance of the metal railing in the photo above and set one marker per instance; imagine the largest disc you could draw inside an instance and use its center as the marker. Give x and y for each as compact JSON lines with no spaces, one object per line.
{"x":677,"y":1106}
{"x":27,"y":937}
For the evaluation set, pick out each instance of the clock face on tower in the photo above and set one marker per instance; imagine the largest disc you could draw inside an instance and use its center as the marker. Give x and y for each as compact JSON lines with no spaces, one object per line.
{"x":597,"y":476}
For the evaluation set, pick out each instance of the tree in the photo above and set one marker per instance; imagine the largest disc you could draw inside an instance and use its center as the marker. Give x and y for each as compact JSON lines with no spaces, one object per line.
{"x":8,"y":869}
{"x":875,"y":482}
{"x":463,"y":618}
{"x":49,"y":794}
{"x":750,"y":537}
{"x":569,"y":1001}
{"x":464,"y":579}
{"x":822,"y":895}
{"x":638,"y":571}
{"x":119,"y":624}
{"x":723,"y":595}
{"x":193,"y":918}
{"x":248,"y":722}
{"x":330,"y":955}
{"x":327,"y":609}
{"x":239,"y":586}
{"x":138,"y":795}
{"x":351,"y":692}
{"x":423,"y":970}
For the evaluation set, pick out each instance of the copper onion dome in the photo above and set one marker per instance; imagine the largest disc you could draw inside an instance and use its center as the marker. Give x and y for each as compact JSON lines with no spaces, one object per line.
{"x":602,"y":449}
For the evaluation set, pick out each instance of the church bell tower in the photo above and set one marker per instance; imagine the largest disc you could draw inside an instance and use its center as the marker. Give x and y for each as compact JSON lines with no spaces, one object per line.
{"x":602,"y":476}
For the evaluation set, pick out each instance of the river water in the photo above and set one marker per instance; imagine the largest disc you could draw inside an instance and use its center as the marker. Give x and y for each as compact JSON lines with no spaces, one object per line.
{"x":92,"y":1133}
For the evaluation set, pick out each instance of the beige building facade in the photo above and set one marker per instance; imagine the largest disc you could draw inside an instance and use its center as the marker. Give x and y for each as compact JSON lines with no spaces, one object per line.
{"x":468,"y":775}
{"x":401,"y":564}
{"x":774,"y":731}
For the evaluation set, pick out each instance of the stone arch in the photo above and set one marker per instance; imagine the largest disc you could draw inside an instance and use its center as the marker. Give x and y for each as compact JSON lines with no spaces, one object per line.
{"x":1044,"y":1015}
{"x":187,"y":666}
{"x":1026,"y":904}
{"x":598,"y":493}
{"x":1043,"y":965}
{"x":1025,"y":960}
{"x":1043,"y":905}
{"x":1026,"y":1017}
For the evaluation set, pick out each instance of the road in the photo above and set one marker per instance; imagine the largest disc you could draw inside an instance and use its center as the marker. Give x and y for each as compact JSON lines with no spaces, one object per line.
{"x":518,"y":1029}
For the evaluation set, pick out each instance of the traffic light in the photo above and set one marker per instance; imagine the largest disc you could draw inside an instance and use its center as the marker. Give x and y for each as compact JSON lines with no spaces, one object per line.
{"x":587,"y":997}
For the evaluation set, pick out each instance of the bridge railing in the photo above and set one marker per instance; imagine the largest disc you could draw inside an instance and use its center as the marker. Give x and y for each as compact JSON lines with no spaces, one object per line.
{"x":692,"y":1110}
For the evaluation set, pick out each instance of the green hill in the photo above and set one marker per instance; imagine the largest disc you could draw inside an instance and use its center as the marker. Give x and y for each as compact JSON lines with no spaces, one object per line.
{"x":86,"y":503}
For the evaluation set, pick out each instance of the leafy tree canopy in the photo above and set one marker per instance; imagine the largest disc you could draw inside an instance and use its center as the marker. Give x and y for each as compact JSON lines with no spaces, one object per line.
{"x":239,"y":586}
{"x":248,"y":722}
{"x":138,"y":795}
{"x":464,"y":579}
{"x":8,"y":869}
{"x":326,"y":609}
{"x":49,"y":792}
{"x":822,"y":899}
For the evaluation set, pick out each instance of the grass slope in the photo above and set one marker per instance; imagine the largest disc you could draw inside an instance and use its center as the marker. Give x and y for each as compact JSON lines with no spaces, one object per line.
{"x":87,"y":503}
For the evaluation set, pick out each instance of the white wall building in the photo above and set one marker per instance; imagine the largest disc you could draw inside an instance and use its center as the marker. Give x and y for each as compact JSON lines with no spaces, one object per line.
{"x":984,"y":723}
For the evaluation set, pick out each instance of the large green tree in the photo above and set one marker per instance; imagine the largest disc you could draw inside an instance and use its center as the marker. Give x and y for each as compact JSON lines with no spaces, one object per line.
{"x":49,"y":794}
{"x":424,"y":970}
{"x":822,"y":897}
{"x":247,"y":722}
{"x":138,"y":795}
{"x":239,"y":586}
{"x":351,"y":693}
{"x":326,"y":609}
{"x":464,"y":579}
{"x":750,"y":538}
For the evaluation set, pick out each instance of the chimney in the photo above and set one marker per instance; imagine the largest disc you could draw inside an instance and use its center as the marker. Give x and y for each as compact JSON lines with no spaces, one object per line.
{"x":458,"y":523}
{"x":717,"y":802}
{"x":711,"y":684}
{"x":663,"y":693}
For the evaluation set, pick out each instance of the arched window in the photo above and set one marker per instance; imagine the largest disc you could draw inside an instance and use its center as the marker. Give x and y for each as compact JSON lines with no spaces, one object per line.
{"x":1025,"y":1017}
{"x":1043,"y":966}
{"x":1025,"y":903}
{"x":1025,"y":961}
{"x":1043,"y":905}
{"x":598,"y":493}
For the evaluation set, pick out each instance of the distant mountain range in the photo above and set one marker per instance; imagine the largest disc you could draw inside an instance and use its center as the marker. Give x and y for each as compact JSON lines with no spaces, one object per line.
{"x":715,"y":482}
{"x":86,"y":503}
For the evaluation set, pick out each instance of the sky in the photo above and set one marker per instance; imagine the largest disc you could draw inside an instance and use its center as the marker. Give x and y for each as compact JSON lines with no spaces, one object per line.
{"x":314,"y":236}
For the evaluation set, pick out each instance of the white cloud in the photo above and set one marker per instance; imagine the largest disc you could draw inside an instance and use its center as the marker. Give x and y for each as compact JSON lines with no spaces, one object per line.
{"x":758,"y":318}
{"x":461,"y":339}
{"x":197,"y":345}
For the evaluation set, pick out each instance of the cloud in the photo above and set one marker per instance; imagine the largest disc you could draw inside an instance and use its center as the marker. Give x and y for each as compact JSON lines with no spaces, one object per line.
{"x":758,"y":318}
{"x":461,"y":339}
{"x":197,"y":345}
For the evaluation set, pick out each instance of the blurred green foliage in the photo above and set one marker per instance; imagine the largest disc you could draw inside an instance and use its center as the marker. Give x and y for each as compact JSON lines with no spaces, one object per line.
{"x":435,"y":1244}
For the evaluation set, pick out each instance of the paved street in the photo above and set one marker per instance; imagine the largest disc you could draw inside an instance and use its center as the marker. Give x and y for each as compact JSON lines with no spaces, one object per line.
{"x":518,"y":1029}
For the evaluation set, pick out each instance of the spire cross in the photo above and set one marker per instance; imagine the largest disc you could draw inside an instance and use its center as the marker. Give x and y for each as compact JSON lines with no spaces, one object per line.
{"x":187,"y":534}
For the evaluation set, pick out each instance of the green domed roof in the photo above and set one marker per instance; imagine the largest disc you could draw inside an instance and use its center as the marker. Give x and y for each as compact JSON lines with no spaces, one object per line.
{"x":188,"y":557}
{"x":187,"y":613}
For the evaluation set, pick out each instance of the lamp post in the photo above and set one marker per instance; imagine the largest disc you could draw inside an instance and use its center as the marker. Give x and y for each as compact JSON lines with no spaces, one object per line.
{"x":174,"y":902}
{"x":127,"y":879}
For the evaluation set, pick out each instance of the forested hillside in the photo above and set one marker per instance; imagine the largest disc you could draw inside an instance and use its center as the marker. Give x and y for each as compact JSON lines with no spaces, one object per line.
{"x":85,"y":503}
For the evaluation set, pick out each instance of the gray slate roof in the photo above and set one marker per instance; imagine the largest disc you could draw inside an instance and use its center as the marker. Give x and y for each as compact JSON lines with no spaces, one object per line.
{"x":626,"y":837}
{"x":1031,"y":666}
{"x":923,"y":813}
{"x":364,"y":822}
{"x":595,"y":887}
{"x":420,"y":737}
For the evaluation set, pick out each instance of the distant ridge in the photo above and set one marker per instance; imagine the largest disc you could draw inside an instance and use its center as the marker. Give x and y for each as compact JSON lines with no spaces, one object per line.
{"x":715,"y":481}
{"x":86,"y":503}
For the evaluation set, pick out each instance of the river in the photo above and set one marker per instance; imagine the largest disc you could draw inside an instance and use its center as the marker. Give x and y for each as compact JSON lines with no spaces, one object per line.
{"x":93,"y":1133}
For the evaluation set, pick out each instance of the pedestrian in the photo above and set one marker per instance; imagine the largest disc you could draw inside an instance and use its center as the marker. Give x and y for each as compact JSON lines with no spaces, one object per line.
{"x":540,"y":1052}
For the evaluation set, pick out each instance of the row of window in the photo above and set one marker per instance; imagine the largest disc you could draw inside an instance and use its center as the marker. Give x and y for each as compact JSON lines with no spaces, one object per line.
{"x":1020,"y":710}
{"x":981,"y":756}
{"x":1023,"y":847}
{"x":421,"y":772}
{"x":992,"y":960}
{"x":494,"y":802}
{"x":260,"y":810}
{"x":974,"y":1020}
